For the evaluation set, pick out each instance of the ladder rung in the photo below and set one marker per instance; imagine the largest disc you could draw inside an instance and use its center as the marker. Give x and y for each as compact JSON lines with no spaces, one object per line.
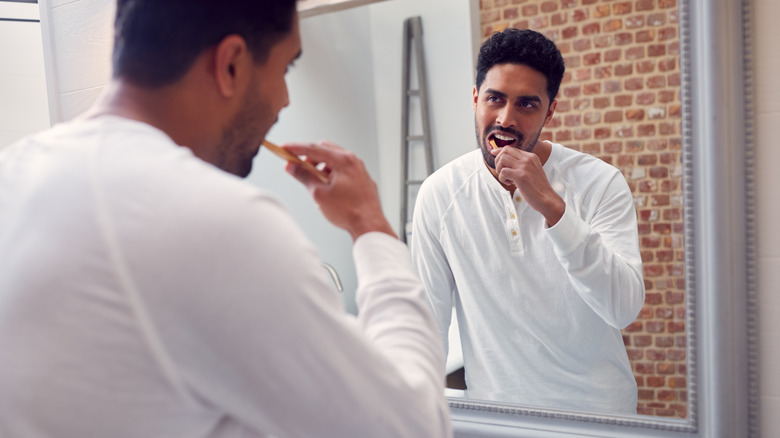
{"x":413,"y":92}
{"x":415,"y":138}
{"x":414,"y":182}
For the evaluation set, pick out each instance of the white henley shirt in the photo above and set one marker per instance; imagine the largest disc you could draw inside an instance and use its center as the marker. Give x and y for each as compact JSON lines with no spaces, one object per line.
{"x":539,"y":309}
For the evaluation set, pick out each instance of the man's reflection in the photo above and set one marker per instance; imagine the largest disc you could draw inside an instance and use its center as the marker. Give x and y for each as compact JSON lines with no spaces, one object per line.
{"x":534,"y":244}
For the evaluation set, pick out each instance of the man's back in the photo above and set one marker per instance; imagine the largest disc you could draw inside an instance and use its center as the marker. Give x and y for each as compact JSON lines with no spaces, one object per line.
{"x":144,"y":292}
{"x":85,"y":211}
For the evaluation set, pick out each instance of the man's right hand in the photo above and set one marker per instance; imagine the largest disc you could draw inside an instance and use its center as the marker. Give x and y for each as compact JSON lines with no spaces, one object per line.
{"x":349,"y":199}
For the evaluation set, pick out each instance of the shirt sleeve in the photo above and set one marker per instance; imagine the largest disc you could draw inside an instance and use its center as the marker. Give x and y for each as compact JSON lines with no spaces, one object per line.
{"x":431,"y":262}
{"x":602,"y":256}
{"x":257,"y":332}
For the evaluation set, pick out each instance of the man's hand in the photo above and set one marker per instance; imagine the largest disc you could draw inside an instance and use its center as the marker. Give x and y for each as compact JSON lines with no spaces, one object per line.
{"x":523,"y":170}
{"x":349,"y":199}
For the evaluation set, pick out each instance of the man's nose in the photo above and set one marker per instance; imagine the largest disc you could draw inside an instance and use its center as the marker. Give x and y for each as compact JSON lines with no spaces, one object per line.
{"x":286,"y":101}
{"x":506,"y":117}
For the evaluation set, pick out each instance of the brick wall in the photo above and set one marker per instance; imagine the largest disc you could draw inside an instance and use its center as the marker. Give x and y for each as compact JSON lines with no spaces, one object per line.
{"x":620,"y":101}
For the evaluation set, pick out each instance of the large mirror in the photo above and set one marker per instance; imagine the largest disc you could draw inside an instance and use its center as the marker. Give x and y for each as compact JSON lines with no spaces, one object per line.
{"x":691,"y":344}
{"x":708,"y":274}
{"x":620,"y":100}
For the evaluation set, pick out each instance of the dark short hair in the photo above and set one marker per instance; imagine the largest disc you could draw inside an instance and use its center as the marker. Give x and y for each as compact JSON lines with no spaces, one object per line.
{"x":157,"y":41}
{"x":526,"y":47}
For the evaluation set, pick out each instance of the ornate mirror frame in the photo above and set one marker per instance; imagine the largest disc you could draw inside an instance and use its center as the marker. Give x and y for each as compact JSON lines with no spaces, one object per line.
{"x":718,"y":162}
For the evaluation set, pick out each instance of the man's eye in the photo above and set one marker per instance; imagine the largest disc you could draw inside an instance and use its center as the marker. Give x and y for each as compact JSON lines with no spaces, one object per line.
{"x":528,"y":104}
{"x":493,"y":99}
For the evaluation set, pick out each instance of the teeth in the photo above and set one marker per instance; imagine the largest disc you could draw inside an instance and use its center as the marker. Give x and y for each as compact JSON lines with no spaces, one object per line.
{"x":503,"y":138}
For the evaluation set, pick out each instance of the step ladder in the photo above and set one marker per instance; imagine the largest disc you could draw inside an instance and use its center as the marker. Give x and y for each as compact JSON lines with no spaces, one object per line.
{"x":411,"y":143}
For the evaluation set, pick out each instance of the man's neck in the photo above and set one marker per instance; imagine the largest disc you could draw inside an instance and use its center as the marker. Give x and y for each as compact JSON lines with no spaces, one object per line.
{"x":169,"y":109}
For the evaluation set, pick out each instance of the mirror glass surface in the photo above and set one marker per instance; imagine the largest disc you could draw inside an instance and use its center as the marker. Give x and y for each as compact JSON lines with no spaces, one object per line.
{"x":620,"y":101}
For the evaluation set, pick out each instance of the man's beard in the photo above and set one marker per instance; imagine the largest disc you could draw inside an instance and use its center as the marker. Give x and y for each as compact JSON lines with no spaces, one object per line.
{"x":241,"y":139}
{"x":482,"y":141}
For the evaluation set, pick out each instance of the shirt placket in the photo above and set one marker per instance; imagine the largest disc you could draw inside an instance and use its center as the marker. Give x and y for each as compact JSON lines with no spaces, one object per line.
{"x":512,"y":212}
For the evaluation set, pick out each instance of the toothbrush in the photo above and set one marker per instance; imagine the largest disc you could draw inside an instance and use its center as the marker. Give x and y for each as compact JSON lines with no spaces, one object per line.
{"x":283,"y":154}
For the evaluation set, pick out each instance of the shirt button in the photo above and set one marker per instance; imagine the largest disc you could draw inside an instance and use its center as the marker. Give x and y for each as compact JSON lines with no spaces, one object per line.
{"x":518,"y":198}
{"x":512,"y":215}
{"x":514,"y":232}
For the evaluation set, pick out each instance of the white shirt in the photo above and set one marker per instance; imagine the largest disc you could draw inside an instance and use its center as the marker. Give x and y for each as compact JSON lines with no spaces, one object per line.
{"x":540,"y":309}
{"x":145,"y":293}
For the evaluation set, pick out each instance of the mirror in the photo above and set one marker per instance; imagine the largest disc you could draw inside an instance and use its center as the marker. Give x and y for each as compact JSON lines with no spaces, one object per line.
{"x":620,"y":101}
{"x":360,"y":61}
{"x":714,"y":174}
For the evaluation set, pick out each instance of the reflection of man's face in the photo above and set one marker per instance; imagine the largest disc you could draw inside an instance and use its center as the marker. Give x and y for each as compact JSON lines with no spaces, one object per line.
{"x":264,"y":99}
{"x":511,"y":107}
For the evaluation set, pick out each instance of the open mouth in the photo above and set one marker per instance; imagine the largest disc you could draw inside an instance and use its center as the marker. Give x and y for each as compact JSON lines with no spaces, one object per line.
{"x":501,"y":140}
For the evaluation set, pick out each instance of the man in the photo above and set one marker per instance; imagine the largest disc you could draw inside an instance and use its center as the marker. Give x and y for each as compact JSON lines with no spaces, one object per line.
{"x":534,"y":244}
{"x":147,"y":291}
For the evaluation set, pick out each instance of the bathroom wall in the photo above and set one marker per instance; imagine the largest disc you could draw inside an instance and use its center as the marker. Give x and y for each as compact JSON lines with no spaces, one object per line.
{"x":23,"y":104}
{"x":449,"y":34}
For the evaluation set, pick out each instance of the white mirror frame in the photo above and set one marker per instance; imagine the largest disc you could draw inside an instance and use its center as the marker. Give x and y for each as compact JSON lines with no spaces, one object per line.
{"x":718,"y":162}
{"x":308,"y":8}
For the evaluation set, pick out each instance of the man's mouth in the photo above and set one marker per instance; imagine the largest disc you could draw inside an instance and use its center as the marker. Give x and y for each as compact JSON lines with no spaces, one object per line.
{"x":501,"y":140}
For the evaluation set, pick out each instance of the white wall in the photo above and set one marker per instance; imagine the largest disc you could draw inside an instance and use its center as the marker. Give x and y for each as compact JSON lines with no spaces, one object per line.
{"x":23,"y":104}
{"x":767,"y":65}
{"x":448,"y":37}
{"x":79,"y":33}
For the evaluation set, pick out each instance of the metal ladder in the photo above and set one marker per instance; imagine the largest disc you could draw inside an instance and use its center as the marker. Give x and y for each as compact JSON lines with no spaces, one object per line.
{"x":413,"y":35}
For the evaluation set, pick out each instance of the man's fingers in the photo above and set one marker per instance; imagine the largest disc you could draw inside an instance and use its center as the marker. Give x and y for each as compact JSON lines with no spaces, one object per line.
{"x":305,"y":176}
{"x":315,"y":152}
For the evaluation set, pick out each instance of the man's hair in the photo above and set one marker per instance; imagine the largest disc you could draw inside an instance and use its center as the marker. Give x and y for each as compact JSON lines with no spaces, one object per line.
{"x":525,"y":47}
{"x":157,"y":41}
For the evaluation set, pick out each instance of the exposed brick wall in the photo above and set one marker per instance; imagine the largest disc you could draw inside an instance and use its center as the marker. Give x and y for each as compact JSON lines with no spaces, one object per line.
{"x":620,"y":101}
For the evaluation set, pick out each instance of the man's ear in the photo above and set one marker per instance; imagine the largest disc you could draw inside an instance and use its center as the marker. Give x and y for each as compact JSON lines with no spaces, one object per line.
{"x":475,"y":92}
{"x":231,"y":62}
{"x":550,"y":111}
